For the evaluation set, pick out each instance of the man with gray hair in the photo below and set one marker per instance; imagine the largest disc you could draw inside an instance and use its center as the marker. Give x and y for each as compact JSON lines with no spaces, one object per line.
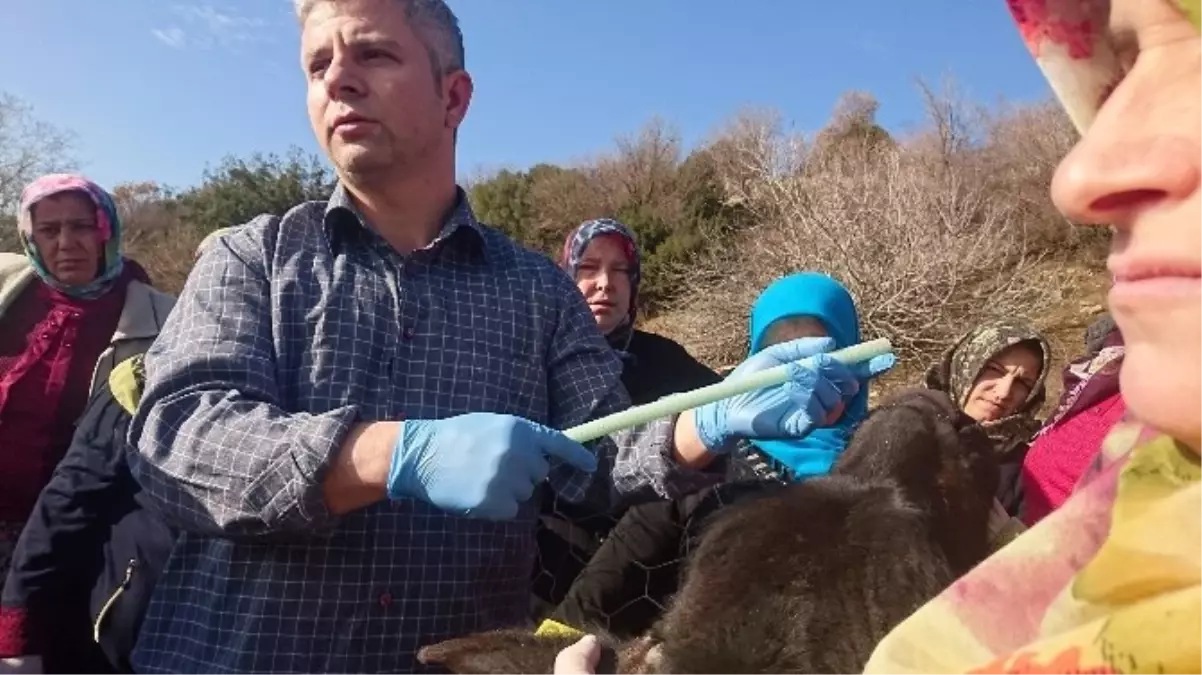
{"x":352,"y":405}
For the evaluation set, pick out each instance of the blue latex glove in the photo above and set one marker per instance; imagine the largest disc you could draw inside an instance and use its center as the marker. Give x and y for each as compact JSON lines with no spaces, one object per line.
{"x":482,"y":465}
{"x":808,"y":399}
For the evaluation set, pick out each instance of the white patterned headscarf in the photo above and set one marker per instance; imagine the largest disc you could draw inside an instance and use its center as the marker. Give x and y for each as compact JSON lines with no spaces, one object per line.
{"x":1072,"y":45}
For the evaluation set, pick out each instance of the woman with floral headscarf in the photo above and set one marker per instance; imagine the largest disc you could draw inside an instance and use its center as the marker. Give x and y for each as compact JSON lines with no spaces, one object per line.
{"x":602,"y":256}
{"x":1089,"y":407}
{"x":72,"y":308}
{"x":996,"y":374}
{"x":1112,"y":580}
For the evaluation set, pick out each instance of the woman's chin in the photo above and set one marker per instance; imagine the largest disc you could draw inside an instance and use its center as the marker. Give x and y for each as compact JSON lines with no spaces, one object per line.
{"x":73,"y":278}
{"x":606,"y":322}
{"x":983,"y":413}
{"x":1164,"y":392}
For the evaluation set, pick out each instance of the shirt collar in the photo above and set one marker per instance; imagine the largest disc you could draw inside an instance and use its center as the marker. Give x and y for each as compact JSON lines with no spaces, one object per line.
{"x":344,"y":221}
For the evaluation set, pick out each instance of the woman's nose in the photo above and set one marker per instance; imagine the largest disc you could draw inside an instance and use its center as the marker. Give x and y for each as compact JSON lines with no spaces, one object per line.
{"x":1004,"y":387}
{"x":66,"y":240}
{"x":1110,"y":184}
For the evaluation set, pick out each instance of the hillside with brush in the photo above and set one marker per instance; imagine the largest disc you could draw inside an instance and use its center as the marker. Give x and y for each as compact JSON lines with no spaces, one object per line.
{"x":933,"y":230}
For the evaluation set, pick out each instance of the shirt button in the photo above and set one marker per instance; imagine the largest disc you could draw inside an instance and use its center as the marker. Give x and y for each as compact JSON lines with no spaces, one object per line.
{"x":407,"y":333}
{"x":386,"y":599}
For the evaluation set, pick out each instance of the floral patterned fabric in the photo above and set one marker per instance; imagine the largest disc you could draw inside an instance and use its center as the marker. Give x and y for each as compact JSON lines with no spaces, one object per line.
{"x":1110,"y":583}
{"x":1073,"y":49}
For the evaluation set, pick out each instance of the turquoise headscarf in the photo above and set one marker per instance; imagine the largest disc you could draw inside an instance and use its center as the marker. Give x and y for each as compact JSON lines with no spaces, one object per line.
{"x":809,"y":294}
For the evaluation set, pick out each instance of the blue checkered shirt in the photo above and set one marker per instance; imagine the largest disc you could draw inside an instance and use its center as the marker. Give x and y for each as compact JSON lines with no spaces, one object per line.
{"x":289,"y":331}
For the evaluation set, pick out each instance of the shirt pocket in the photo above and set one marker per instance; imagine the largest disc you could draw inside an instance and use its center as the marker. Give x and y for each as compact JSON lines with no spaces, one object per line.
{"x":339,"y":350}
{"x":492,"y":358}
{"x":503,"y":374}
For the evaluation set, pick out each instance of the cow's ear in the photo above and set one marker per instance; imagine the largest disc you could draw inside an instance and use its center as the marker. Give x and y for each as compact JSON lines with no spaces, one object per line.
{"x":503,"y":651}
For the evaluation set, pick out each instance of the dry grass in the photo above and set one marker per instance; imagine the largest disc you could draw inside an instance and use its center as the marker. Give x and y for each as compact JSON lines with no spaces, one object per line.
{"x":1080,"y":298}
{"x":932,"y":234}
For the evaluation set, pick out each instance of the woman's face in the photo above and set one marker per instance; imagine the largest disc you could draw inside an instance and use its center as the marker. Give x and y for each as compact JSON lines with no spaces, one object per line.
{"x":792,"y":328}
{"x":1137,"y":168}
{"x":603,"y":276}
{"x":67,"y":237}
{"x":1004,"y":384}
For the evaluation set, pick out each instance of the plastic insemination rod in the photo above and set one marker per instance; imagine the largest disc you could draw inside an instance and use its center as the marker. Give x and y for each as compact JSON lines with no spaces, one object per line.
{"x":678,"y":403}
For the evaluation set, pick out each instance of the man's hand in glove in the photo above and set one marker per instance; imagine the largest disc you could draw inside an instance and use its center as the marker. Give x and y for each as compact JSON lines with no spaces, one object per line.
{"x":482,"y":465}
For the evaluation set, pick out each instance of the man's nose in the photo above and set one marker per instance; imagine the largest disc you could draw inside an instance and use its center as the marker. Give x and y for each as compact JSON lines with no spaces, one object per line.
{"x":342,"y":79}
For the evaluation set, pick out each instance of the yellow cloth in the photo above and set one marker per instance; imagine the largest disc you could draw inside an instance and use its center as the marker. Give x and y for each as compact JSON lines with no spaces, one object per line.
{"x":552,"y":628}
{"x":1109,"y":583}
{"x":125,"y":381}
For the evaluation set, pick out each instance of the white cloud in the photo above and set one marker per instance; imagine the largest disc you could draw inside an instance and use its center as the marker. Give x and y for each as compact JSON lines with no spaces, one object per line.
{"x":212,"y":26}
{"x":172,"y":37}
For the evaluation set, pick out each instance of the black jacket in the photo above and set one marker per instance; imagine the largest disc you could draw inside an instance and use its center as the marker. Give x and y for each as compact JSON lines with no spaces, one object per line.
{"x":627,"y":583}
{"x":569,"y":534}
{"x":89,"y":555}
{"x":1010,"y":488}
{"x":656,"y":367}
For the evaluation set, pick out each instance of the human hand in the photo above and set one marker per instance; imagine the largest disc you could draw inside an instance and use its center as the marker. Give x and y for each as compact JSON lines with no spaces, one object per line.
{"x":1002,"y":528}
{"x":814,"y":395}
{"x":580,"y":658}
{"x":27,"y":665}
{"x":482,"y":465}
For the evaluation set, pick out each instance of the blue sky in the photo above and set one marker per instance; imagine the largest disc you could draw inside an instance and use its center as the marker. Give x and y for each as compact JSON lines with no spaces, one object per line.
{"x":157,"y":89}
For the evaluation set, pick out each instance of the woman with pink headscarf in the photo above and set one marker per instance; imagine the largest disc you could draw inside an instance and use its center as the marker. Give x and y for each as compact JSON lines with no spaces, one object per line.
{"x":71,"y":308}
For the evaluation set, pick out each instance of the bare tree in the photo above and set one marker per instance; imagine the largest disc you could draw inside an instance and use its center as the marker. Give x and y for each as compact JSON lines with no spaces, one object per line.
{"x":923,"y":232}
{"x":643,"y":170}
{"x":29,"y":147}
{"x":155,"y":235}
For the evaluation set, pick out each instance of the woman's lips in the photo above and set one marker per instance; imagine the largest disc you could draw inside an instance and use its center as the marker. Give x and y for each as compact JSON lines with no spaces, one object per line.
{"x":1155,"y":289}
{"x":1140,"y":281}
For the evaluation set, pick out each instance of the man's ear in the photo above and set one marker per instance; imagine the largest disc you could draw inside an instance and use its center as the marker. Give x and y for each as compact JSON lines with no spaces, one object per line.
{"x":457,"y":94}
